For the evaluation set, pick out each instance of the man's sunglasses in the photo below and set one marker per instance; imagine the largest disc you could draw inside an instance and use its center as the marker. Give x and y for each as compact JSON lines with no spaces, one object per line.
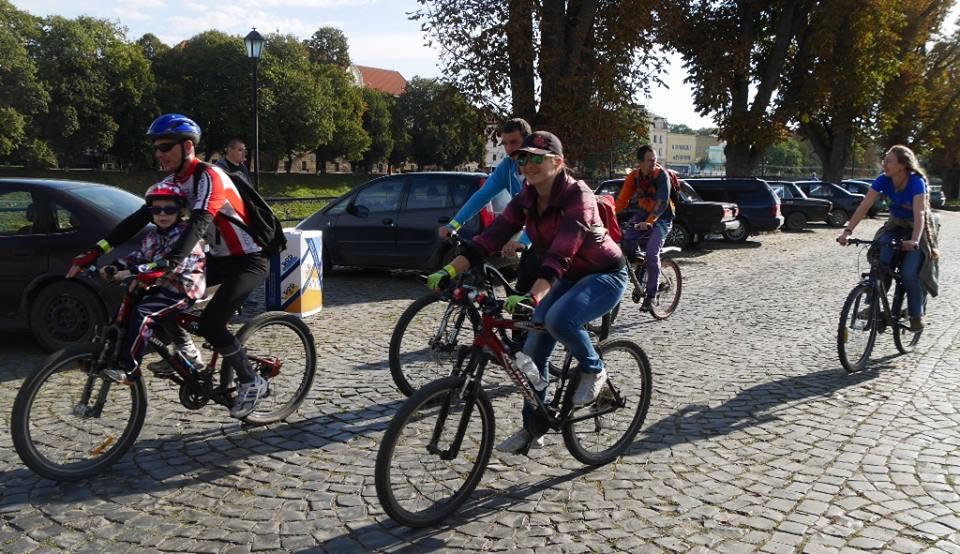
{"x":535,"y":158}
{"x":169,"y":210}
{"x":165,"y":146}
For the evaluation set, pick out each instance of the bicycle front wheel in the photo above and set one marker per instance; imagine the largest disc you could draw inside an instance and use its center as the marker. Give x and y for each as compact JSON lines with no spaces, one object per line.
{"x":668,"y":290}
{"x":69,"y":423}
{"x":857,"y":331}
{"x":434,"y":452}
{"x":598,"y":433}
{"x":281,"y":349}
{"x":904,"y":339}
{"x":426,"y":340}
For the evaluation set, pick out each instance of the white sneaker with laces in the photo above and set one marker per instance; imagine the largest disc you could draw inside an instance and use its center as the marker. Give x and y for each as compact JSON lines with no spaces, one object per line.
{"x":248,"y":395}
{"x":589,"y":388}
{"x":515,"y":442}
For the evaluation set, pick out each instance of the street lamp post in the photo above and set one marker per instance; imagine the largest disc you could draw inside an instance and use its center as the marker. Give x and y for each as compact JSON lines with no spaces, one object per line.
{"x":254,"y":43}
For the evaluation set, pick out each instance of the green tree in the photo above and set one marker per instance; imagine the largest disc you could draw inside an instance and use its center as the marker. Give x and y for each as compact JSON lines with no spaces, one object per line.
{"x":564,"y":65}
{"x":444,"y":128}
{"x":680,"y":128}
{"x":851,"y":57}
{"x":328,"y":46}
{"x":784,"y":158}
{"x":377,"y":123}
{"x":349,"y":139}
{"x":22,"y":95}
{"x":72,"y":60}
{"x":208,"y":78}
{"x":298,"y":110}
{"x":131,"y":100}
{"x":738,"y":55}
{"x":152,"y":47}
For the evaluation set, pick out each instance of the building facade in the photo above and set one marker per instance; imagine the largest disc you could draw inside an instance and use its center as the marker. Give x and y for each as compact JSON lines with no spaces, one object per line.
{"x":686,"y":153}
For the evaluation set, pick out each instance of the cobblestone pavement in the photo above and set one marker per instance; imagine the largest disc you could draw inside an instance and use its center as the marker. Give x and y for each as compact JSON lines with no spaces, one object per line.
{"x":756,"y":439}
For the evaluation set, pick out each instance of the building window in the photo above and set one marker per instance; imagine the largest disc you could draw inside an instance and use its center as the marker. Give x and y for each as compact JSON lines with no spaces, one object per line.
{"x":303,"y":165}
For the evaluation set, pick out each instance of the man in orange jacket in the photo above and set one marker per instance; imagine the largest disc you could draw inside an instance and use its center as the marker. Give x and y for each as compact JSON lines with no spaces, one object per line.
{"x":648,"y":187}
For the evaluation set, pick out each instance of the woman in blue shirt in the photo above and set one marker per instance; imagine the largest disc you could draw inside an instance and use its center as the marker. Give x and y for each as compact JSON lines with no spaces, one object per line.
{"x":905,"y":185}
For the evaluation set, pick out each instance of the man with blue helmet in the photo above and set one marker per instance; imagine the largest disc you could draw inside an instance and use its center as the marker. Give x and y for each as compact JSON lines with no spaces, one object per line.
{"x":234,"y":261}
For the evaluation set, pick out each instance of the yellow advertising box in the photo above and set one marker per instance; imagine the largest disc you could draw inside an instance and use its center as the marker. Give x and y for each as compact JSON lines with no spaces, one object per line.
{"x":295,"y":283}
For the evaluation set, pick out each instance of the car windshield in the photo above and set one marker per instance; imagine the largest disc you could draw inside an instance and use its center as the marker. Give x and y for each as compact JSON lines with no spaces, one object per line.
{"x":689,"y":193}
{"x":116,"y":201}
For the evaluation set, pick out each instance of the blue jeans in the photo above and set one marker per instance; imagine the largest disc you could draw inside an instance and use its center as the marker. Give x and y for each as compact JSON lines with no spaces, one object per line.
{"x":564,"y":311}
{"x":655,"y":239}
{"x":909,"y":270}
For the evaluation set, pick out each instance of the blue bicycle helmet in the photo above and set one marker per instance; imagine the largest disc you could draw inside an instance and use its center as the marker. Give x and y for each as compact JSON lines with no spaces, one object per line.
{"x":176,"y":126}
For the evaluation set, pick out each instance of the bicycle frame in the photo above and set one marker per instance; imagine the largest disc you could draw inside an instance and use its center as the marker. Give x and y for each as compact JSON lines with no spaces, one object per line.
{"x":553,"y":414}
{"x":875,"y":280}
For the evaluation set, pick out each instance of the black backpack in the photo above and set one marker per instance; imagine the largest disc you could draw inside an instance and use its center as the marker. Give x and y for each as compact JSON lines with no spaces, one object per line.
{"x":264,"y":226}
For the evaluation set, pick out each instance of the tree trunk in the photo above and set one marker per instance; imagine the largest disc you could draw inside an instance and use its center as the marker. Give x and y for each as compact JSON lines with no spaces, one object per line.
{"x":832,"y":145}
{"x":520,"y":49}
{"x":742,"y":158}
{"x":951,"y":182}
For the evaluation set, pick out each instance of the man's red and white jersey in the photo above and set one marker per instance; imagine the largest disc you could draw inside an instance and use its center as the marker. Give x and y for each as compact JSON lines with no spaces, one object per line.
{"x":216,"y":194}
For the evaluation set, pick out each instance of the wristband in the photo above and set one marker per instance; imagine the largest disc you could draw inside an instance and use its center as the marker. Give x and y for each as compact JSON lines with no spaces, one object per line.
{"x":455,"y":225}
{"x":451,"y":271}
{"x":104,"y":246}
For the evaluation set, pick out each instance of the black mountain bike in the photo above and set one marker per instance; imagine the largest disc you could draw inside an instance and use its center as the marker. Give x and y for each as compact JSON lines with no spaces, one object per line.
{"x":868,"y":311}
{"x":430,"y":332}
{"x":70,"y":422}
{"x":436,"y":450}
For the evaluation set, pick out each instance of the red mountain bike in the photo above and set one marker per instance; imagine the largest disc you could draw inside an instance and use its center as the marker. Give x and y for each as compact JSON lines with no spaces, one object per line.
{"x":435,"y":451}
{"x":70,"y":422}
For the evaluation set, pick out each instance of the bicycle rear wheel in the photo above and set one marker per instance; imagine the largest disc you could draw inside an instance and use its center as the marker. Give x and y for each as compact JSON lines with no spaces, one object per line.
{"x":668,"y":290}
{"x":69,"y":423}
{"x":426,"y":340}
{"x":857,"y":331}
{"x":281,"y":349}
{"x":597,"y":434}
{"x":417,"y":481}
{"x":904,"y":339}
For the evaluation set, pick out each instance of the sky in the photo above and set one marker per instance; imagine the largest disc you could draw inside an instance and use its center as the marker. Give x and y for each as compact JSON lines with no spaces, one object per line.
{"x":378,"y":32}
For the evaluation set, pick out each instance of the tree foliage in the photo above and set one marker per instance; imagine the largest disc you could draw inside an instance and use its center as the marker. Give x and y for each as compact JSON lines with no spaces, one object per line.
{"x":328,"y":46}
{"x":565,"y":66}
{"x":297,"y":106}
{"x":377,"y":125}
{"x":22,"y":95}
{"x":349,"y":139}
{"x":444,"y":128}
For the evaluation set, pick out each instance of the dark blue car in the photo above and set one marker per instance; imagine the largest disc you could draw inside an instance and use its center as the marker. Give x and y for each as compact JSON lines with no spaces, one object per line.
{"x":759,"y":205}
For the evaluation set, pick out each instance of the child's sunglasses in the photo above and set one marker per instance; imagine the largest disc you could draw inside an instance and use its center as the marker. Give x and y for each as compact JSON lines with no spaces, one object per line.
{"x":169,"y":210}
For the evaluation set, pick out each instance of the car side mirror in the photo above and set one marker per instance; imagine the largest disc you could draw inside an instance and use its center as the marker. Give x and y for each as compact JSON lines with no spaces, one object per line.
{"x":358,"y":210}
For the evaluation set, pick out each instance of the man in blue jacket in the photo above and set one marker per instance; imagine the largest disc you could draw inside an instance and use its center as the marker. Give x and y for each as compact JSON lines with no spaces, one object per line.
{"x":506,"y":177}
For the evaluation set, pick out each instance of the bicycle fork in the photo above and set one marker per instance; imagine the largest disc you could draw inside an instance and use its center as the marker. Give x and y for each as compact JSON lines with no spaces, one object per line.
{"x":470,"y":393}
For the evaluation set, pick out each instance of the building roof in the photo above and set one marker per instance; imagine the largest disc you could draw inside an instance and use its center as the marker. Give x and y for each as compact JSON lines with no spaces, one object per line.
{"x":384,"y":80}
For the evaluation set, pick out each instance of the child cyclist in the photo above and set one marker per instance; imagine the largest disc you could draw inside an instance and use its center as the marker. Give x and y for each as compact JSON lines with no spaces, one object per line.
{"x":174,"y":292}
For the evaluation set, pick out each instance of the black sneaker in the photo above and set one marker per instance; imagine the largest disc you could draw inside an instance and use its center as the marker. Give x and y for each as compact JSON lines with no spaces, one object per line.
{"x":647,"y":304}
{"x":637,"y":295}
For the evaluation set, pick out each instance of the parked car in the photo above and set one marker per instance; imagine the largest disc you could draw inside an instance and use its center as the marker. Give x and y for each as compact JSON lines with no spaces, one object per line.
{"x":391,"y":222}
{"x":858,"y":186}
{"x":937,"y":200}
{"x":797,"y":209}
{"x":695,"y":218}
{"x":759,"y":206}
{"x":44,"y":223}
{"x":844,"y":202}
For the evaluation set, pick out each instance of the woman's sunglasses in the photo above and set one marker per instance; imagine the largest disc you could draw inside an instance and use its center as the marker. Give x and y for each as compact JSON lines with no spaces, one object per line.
{"x":164,"y":146}
{"x":535,"y":158}
{"x":169,"y":210}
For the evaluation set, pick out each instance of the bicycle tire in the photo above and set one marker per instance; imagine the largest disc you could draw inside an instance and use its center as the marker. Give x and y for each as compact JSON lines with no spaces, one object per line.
{"x":283,"y":337}
{"x":852,"y":356}
{"x":629,"y":372}
{"x":54,"y":413}
{"x":395,"y":492}
{"x":668,"y":290}
{"x":901,"y":322}
{"x":424,"y":350}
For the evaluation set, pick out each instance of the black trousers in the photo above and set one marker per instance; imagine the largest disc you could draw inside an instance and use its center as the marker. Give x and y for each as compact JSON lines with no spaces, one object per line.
{"x":237,"y":277}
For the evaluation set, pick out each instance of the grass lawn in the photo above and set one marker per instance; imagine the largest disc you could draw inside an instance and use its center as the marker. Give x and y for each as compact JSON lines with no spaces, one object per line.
{"x":294,"y":185}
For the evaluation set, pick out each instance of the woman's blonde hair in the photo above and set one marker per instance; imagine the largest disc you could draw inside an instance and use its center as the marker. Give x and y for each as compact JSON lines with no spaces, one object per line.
{"x":909,"y":159}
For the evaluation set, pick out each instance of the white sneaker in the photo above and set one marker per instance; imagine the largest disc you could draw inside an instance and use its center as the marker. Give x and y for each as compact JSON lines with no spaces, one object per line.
{"x":248,"y":395}
{"x":515,"y":442}
{"x":589,"y":388}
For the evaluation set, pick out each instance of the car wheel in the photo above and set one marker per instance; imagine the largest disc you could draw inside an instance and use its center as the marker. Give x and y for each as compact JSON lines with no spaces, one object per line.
{"x":739,"y":234}
{"x":679,"y":236}
{"x":837,"y":218}
{"x":65,"y":313}
{"x":796,"y":221}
